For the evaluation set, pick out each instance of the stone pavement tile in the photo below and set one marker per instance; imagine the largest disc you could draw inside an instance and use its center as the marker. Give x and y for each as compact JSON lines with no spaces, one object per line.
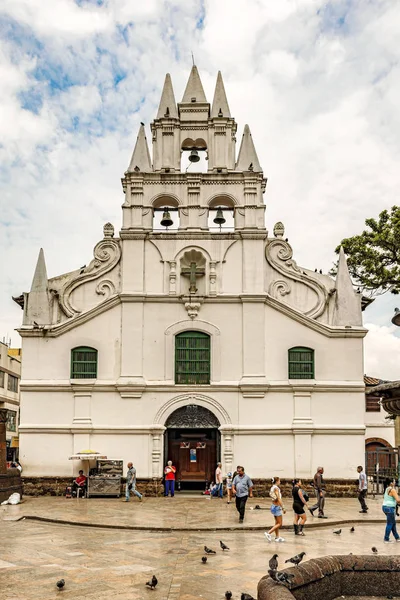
{"x":178,"y":512}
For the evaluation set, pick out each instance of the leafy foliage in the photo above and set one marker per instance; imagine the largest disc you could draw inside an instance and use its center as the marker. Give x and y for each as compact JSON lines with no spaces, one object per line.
{"x":373,"y":257}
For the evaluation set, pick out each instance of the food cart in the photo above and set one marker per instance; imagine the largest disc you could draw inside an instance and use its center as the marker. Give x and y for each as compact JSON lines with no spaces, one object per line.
{"x":105,"y":478}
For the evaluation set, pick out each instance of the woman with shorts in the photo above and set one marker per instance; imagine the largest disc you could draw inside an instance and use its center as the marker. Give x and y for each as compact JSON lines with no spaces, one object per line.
{"x":277,"y":510}
{"x":299,"y":502}
{"x":229,"y":480}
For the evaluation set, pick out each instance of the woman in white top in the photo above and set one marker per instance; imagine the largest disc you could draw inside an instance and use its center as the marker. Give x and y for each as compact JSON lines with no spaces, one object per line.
{"x":277,"y":509}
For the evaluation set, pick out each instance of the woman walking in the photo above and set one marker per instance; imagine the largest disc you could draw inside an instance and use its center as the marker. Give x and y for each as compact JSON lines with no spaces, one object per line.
{"x":300,"y":499}
{"x":390,"y":500}
{"x":277,"y":510}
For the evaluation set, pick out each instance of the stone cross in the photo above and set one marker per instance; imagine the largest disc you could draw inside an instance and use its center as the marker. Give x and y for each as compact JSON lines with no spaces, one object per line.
{"x":193,"y":272}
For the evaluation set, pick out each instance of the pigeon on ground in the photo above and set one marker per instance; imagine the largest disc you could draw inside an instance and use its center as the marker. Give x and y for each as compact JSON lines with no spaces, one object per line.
{"x":209,"y":551}
{"x":60,"y":584}
{"x":273,"y":563}
{"x":352,"y":530}
{"x":152,"y":583}
{"x":228,"y":595}
{"x":296,"y":560}
{"x":223,"y":546}
{"x":374,"y":550}
{"x":257,"y":507}
{"x":337,"y":531}
{"x":246,"y":597}
{"x":204,"y":559}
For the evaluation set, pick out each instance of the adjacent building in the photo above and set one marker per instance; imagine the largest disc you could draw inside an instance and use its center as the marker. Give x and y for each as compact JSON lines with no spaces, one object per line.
{"x":10,"y":374}
{"x":193,"y":334}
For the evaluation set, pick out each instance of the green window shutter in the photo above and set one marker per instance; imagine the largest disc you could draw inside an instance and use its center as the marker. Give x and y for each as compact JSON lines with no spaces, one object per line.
{"x":301,"y":363}
{"x":192,"y":358}
{"x":83,"y":363}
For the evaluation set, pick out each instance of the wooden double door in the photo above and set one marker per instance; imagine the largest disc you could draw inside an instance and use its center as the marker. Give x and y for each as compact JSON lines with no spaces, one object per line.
{"x":194,"y":453}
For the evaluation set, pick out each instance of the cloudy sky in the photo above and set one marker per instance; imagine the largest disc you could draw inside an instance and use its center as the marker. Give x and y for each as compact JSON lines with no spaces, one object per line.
{"x":318,"y":83}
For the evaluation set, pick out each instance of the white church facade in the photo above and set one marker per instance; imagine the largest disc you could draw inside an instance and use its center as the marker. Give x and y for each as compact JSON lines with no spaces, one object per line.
{"x":190,"y":340}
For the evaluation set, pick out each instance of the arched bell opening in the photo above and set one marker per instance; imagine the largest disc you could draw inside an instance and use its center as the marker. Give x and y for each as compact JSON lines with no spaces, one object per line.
{"x":221,"y":214}
{"x":194,"y":156}
{"x":165,"y":214}
{"x":192,"y":442}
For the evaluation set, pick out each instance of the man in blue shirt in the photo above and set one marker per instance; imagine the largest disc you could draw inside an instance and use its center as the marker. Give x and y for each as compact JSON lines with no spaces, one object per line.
{"x":242,"y":487}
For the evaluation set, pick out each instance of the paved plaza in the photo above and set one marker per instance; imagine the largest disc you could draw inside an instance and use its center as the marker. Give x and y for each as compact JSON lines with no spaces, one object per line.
{"x":97,"y":562}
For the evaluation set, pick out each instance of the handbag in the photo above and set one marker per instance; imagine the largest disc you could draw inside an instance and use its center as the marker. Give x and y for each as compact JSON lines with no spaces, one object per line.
{"x":130,"y":486}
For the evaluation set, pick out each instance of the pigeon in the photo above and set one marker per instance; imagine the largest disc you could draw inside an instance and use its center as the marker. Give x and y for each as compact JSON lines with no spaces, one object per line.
{"x":374,"y":550}
{"x":246,"y":597}
{"x":352,"y":530}
{"x":152,"y":583}
{"x":281,"y":577}
{"x":60,"y":584}
{"x":337,"y":531}
{"x":209,"y":551}
{"x":296,"y":560}
{"x":204,"y":559}
{"x":141,"y":122}
{"x":167,"y":112}
{"x":273,"y":563}
{"x":251,"y":167}
{"x":320,"y":271}
{"x":315,"y":270}
{"x":223,"y":546}
{"x":257,"y":507}
{"x":228,"y":595}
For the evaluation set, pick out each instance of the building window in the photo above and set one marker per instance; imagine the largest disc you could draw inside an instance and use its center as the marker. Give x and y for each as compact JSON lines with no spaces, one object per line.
{"x":83,"y":363}
{"x":12,"y":384}
{"x":11,"y":424}
{"x":192,"y":358}
{"x":2,"y":379}
{"x":372,"y":404}
{"x":301,"y":363}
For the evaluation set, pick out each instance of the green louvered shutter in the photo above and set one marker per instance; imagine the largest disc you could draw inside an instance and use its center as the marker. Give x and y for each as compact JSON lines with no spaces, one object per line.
{"x":192,"y":358}
{"x":83,"y":363}
{"x":301,"y":363}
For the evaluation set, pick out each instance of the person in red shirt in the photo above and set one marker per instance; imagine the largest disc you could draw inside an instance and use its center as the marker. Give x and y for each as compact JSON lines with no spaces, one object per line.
{"x":79,"y":482}
{"x":169,"y":474}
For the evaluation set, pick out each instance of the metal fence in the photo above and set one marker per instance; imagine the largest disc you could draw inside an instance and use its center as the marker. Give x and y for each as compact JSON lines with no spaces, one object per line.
{"x":382,"y":466}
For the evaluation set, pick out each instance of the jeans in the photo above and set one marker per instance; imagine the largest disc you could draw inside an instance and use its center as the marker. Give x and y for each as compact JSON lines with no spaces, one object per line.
{"x":241,"y":506}
{"x":390,"y":522}
{"x":320,"y":503}
{"x":128,"y":492}
{"x":362,"y":494}
{"x":169,"y":486}
{"x":220,"y":491}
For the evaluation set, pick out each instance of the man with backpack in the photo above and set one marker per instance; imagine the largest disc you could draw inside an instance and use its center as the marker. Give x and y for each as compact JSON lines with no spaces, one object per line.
{"x":242,"y":487}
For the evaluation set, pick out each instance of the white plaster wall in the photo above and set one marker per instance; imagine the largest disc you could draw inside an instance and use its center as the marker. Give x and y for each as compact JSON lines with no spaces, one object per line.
{"x":338,"y":454}
{"x":46,"y":454}
{"x":265,"y":455}
{"x":385,"y":432}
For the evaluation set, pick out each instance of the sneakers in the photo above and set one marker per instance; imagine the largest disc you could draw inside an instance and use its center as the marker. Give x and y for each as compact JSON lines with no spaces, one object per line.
{"x":279,"y":539}
{"x":389,"y":541}
{"x":322,"y":517}
{"x":240,"y":520}
{"x":268,"y":536}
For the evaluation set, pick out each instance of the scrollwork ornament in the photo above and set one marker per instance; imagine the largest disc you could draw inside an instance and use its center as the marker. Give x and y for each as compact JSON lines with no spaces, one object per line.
{"x":279,"y":255}
{"x":279,"y":288}
{"x":107,"y":254}
{"x":105,"y":288}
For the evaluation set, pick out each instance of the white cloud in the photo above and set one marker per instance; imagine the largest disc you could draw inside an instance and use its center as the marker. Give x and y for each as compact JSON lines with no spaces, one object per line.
{"x":382,"y":352}
{"x":318,"y":82}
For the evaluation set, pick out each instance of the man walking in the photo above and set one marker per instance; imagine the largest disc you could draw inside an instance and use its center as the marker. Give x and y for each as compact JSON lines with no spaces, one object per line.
{"x":242,"y":486}
{"x":219,"y":480}
{"x":362,"y":489}
{"x":131,"y":483}
{"x":320,"y":494}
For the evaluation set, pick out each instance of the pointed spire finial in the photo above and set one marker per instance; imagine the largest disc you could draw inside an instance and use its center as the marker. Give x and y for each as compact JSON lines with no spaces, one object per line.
{"x":38,"y":308}
{"x":347,"y":302}
{"x":167,"y":107}
{"x":220,"y":106}
{"x":194,"y":91}
{"x":140,"y":160}
{"x":247,"y":158}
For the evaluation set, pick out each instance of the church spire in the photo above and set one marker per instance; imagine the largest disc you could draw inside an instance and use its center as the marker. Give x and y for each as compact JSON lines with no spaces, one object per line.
{"x":167,"y":106}
{"x":347,"y":302}
{"x":220,"y":106}
{"x":140,"y":160}
{"x":247,"y":159}
{"x":194,"y":88}
{"x":38,"y":309}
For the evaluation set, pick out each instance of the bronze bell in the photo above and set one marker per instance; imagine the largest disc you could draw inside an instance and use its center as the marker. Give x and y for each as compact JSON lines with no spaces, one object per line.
{"x":166,"y":220}
{"x":219,"y":218}
{"x":194,"y":156}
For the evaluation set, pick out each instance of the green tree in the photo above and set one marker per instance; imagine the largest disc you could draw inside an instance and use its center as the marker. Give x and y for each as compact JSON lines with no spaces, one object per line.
{"x":373,"y":256}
